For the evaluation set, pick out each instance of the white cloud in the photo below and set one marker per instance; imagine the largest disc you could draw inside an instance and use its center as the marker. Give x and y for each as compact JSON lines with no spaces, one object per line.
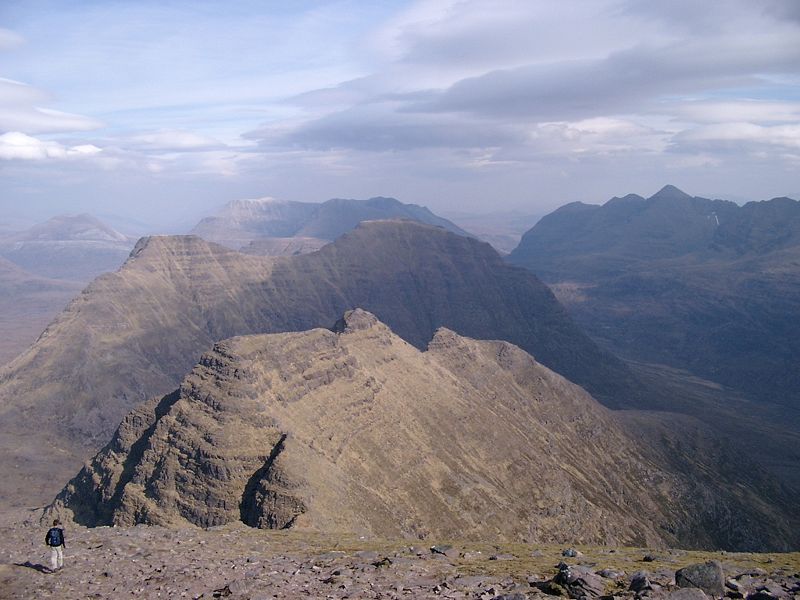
{"x":20,"y":110}
{"x":18,"y":146}
{"x":172,"y":139}
{"x":754,"y":111}
{"x":740,"y":136}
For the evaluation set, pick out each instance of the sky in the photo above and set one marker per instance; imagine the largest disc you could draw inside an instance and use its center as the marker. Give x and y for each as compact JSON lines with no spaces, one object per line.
{"x":160,"y":111}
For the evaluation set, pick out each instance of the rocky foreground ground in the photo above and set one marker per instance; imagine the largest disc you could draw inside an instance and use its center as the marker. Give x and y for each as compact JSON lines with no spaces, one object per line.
{"x":238,"y":562}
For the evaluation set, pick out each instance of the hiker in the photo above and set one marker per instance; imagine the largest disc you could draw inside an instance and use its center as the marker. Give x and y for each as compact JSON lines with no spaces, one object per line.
{"x":55,"y":539}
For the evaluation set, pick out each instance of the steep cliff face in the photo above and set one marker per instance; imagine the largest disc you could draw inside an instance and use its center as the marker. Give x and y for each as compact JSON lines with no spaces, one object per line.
{"x":356,"y":430}
{"x":133,"y":334}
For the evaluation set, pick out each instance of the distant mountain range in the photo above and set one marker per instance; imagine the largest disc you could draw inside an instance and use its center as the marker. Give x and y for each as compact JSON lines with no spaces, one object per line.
{"x":241,"y":222}
{"x":72,"y":247}
{"x":698,"y":284}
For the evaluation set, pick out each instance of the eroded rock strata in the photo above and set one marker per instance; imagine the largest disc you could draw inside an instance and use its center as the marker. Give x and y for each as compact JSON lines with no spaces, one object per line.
{"x":355,"y":430}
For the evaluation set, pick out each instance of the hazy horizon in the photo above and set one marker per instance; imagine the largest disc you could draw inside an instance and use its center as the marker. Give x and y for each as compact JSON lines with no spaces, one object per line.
{"x":161,"y":112}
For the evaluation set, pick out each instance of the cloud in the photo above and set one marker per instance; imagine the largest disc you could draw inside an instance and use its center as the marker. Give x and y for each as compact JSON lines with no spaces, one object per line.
{"x":623,"y":82}
{"x":172,"y":140}
{"x":628,"y":78}
{"x":381,"y":128}
{"x":18,"y":146}
{"x":755,"y":111}
{"x":470,"y":35}
{"x":20,"y":111}
{"x":739,"y":137}
{"x":451,"y":99}
{"x":783,"y":9}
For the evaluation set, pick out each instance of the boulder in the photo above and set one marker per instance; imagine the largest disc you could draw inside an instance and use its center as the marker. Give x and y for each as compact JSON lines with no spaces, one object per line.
{"x":611,"y":573}
{"x":707,"y":576}
{"x":640,"y":582}
{"x":445,"y":550}
{"x":579,"y":582}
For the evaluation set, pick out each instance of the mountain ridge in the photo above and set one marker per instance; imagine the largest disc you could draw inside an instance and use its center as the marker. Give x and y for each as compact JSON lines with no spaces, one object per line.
{"x":353,"y":429}
{"x":134,"y":333}
{"x":241,"y":222}
{"x":697,"y":284}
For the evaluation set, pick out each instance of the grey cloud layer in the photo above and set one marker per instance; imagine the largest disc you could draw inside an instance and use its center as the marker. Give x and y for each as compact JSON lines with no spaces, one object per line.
{"x":655,"y":69}
{"x":623,"y":82}
{"x":379,"y":128}
{"x":462,"y":100}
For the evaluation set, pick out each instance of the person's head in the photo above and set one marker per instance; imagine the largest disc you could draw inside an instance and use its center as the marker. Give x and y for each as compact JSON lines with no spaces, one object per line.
{"x":56,"y":522}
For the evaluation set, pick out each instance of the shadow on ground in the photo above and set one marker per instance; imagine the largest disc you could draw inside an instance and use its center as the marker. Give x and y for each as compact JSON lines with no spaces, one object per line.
{"x":34,"y":566}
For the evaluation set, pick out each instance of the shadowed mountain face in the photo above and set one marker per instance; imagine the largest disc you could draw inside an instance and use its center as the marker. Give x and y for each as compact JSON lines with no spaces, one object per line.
{"x":354,"y":430}
{"x":244,"y":221}
{"x":27,"y":304}
{"x":133,"y":334}
{"x":698,"y":284}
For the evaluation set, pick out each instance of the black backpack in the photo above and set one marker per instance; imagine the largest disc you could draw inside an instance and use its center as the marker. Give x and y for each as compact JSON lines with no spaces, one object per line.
{"x":53,"y":537}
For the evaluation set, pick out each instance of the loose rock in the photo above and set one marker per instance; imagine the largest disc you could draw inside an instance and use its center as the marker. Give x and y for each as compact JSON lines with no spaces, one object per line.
{"x":708,"y":577}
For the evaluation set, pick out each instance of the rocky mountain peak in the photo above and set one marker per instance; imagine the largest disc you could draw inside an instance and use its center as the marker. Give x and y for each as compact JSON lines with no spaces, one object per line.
{"x":443,"y":338}
{"x":669,"y":192}
{"x":369,"y":435}
{"x":301,"y":430}
{"x":355,"y":320}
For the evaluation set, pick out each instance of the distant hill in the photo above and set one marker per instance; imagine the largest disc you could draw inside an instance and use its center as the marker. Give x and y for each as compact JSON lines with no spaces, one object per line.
{"x":243,"y":221}
{"x":354,"y":430}
{"x":134,"y":333}
{"x":74,"y":247}
{"x":703,"y":285}
{"x":71,"y":228}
